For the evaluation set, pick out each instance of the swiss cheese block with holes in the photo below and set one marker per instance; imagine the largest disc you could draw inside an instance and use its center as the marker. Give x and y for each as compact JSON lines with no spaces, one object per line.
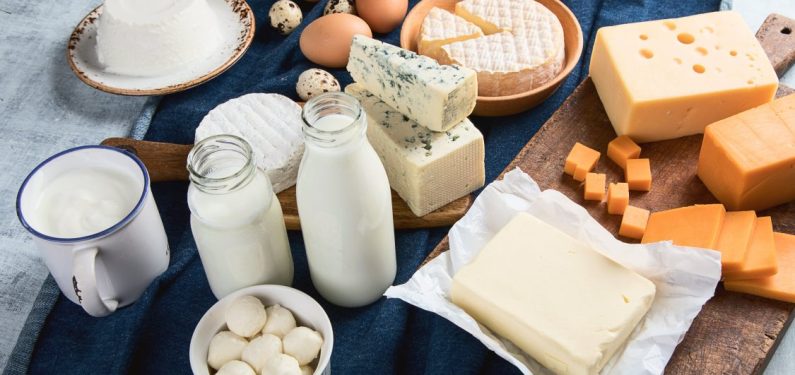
{"x":671,"y":78}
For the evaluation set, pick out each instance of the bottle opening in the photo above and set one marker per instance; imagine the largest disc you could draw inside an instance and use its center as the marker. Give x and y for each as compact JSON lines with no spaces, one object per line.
{"x":221,"y":163}
{"x":333,"y":119}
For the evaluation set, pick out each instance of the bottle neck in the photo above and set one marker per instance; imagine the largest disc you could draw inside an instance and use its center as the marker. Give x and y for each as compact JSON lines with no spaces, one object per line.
{"x":333,"y":120}
{"x":221,"y":164}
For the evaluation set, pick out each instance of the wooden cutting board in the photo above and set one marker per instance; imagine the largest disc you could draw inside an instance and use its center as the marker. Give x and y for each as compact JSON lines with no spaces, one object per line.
{"x":167,"y":161}
{"x":734,"y":333}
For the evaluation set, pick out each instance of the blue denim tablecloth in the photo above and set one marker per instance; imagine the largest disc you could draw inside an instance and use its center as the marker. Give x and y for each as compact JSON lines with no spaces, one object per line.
{"x":152,"y":336}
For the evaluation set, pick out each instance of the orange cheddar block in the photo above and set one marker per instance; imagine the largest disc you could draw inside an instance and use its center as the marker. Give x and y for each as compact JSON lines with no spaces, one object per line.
{"x":633,"y":224}
{"x":621,"y":149}
{"x":760,"y":261}
{"x":638,"y":174}
{"x":617,"y":198}
{"x":735,"y":236}
{"x":697,"y":226}
{"x":747,"y":161}
{"x":581,"y":160}
{"x":595,"y":186}
{"x":780,"y":286}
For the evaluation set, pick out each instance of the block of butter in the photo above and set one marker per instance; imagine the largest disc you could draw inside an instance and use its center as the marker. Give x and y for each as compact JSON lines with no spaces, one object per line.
{"x":554,"y":297}
{"x":671,"y":78}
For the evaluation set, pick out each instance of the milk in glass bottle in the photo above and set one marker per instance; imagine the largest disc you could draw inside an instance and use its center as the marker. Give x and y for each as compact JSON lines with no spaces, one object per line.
{"x":345,"y":204}
{"x":236,"y":218}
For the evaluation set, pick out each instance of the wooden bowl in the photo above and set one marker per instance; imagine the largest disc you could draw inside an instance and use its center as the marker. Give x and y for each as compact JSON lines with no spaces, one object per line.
{"x":508,"y":104}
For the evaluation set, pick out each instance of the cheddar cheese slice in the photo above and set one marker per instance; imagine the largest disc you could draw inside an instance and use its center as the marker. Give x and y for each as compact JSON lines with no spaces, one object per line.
{"x":780,"y":286}
{"x":697,"y":226}
{"x":761,"y":258}
{"x":734,"y":239}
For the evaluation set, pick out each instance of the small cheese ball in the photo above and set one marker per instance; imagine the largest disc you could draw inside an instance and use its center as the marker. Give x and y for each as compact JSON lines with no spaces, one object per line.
{"x":261,"y":349}
{"x":313,"y":82}
{"x":281,"y":364}
{"x":307,"y":370}
{"x":246,"y":316}
{"x":339,"y":6}
{"x":285,"y":16}
{"x":280,"y":321}
{"x":224,"y":347}
{"x":303,"y":344}
{"x":235,"y":368}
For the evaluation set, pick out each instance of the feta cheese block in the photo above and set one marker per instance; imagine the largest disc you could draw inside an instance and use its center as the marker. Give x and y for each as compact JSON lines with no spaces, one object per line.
{"x":671,"y":78}
{"x":441,"y":27}
{"x":437,"y":97}
{"x":427,"y":169}
{"x":747,"y":161}
{"x":271,"y":124}
{"x":153,"y":37}
{"x":560,"y":301}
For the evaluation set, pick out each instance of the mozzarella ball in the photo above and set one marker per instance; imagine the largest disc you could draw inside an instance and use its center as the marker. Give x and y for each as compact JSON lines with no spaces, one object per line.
{"x":224,"y":347}
{"x":339,"y":6}
{"x":246,"y":316}
{"x":281,"y":364}
{"x":280,"y":321}
{"x":285,"y":16}
{"x":313,"y":82}
{"x":235,"y":368}
{"x":303,"y":344}
{"x":261,"y":349}
{"x":307,"y":370}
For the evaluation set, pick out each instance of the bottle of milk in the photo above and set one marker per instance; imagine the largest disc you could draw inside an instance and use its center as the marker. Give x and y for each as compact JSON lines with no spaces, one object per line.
{"x":236,"y":219}
{"x":345,"y":204}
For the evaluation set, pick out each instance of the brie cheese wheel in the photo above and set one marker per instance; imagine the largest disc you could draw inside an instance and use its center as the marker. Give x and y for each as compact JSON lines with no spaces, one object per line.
{"x":271,"y":124}
{"x":154,"y":37}
{"x":441,"y":27}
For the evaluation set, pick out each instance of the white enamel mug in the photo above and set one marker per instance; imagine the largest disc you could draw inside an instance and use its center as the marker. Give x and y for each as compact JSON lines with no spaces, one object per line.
{"x":111,"y":268}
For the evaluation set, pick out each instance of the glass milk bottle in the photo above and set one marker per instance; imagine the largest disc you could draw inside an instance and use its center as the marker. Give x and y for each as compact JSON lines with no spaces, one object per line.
{"x":236,"y":218}
{"x":345,"y":204}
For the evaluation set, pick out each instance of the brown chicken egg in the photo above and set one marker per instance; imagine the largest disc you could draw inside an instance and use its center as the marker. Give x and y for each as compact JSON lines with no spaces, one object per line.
{"x":327,"y":40}
{"x":383,"y":16}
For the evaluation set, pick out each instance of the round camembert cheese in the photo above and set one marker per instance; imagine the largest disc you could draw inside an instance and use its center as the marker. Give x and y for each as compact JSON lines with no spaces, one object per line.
{"x":271,"y":124}
{"x":522,"y":48}
{"x":147,"y":38}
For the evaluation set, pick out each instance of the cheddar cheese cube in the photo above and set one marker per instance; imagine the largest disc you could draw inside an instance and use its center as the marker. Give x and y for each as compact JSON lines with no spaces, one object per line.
{"x":667,"y":79}
{"x":747,"y":161}
{"x":595,"y":186}
{"x":581,"y":160}
{"x":760,"y":261}
{"x":617,"y":198}
{"x":735,"y":238}
{"x":633,"y":224}
{"x":697,"y":226}
{"x":780,"y":286}
{"x":638,"y":174}
{"x":621,"y":149}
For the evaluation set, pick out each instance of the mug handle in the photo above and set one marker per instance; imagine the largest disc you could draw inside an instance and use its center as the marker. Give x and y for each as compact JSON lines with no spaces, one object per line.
{"x":84,"y":281}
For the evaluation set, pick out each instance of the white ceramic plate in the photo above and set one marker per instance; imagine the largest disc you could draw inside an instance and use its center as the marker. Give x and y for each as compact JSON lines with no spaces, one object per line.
{"x":237,"y":26}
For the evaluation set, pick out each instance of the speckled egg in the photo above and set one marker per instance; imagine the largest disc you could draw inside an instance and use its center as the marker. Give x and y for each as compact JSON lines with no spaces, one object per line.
{"x":313,"y":82}
{"x":339,"y":6}
{"x":285,"y":16}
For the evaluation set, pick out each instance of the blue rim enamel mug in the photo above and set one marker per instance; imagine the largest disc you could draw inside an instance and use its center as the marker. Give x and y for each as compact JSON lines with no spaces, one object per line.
{"x":111,"y":268}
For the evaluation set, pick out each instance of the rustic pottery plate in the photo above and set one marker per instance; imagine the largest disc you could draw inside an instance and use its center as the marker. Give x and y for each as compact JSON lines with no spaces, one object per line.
{"x":236,"y":21}
{"x":508,"y":104}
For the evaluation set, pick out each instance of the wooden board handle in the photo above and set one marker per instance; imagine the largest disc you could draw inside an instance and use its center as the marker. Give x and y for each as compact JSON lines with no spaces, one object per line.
{"x":777,"y":36}
{"x":165,"y":161}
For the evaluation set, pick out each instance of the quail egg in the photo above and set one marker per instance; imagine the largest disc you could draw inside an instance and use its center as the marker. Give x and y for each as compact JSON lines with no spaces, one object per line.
{"x":339,"y":6}
{"x":285,"y":16}
{"x":313,"y":82}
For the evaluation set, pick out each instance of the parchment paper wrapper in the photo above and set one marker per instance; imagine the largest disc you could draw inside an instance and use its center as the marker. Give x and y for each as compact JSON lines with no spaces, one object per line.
{"x":685,"y":277}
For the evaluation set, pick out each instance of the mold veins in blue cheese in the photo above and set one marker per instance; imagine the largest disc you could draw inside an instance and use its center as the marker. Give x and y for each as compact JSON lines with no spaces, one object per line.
{"x":557,"y":299}
{"x":437,"y":97}
{"x":427,"y":169}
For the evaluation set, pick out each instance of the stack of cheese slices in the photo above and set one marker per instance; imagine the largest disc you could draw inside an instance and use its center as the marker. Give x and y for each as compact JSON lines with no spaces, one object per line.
{"x":513,"y":45}
{"x":417,"y":122}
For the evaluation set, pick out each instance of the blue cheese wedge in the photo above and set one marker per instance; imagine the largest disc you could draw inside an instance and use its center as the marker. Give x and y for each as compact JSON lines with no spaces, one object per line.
{"x":435,"y":96}
{"x":427,"y":169}
{"x":560,"y":301}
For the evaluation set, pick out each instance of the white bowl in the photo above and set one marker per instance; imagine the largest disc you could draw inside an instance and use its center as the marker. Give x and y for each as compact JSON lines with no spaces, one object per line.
{"x":306,"y":310}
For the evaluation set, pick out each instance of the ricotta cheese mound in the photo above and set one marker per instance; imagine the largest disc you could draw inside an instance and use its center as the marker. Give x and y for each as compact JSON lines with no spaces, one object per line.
{"x":146,"y":38}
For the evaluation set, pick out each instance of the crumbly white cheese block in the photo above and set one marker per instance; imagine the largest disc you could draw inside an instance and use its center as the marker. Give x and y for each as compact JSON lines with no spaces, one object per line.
{"x":427,"y":169}
{"x":523,"y":47}
{"x":441,"y":27}
{"x":437,"y":97}
{"x":154,"y":37}
{"x":271,"y":123}
{"x":557,"y":299}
